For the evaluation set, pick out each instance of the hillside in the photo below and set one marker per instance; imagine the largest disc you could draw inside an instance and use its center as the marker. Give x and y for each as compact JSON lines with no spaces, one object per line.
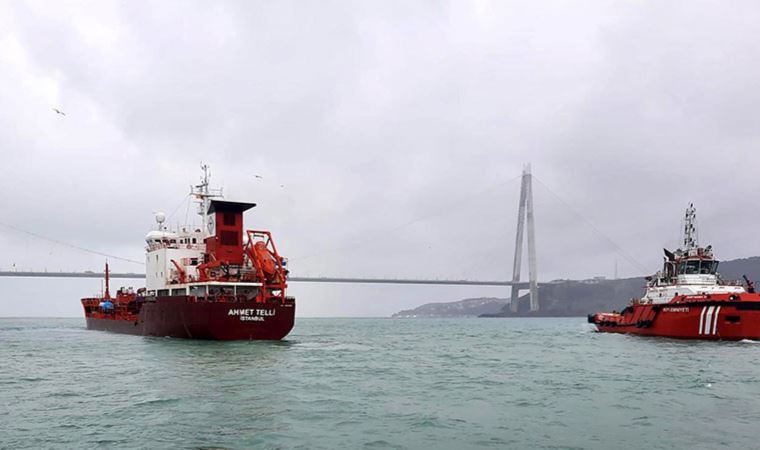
{"x":578,"y":298}
{"x":470,"y":307}
{"x":570,"y":297}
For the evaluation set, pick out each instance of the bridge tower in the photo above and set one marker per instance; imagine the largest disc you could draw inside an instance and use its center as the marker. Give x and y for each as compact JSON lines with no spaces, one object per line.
{"x":525,"y":210}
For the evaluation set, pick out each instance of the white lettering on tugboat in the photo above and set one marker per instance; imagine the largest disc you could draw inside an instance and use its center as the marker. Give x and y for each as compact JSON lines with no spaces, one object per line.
{"x":251,"y":315}
{"x":676,"y":309}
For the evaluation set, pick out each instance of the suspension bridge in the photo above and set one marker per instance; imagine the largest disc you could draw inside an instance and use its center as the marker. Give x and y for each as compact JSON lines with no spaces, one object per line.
{"x":525,"y":223}
{"x":135,"y":275}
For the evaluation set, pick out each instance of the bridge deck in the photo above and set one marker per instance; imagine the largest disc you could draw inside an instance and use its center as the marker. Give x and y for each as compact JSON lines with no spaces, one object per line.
{"x":292,"y":279}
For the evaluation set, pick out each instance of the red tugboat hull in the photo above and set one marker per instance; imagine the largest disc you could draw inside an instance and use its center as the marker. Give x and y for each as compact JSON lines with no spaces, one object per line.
{"x":688,"y":299}
{"x":687,"y":318}
{"x":182,"y":317}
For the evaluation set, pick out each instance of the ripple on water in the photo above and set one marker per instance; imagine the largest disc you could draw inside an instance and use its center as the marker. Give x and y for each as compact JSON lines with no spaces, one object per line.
{"x":156,"y":402}
{"x":364,"y":383}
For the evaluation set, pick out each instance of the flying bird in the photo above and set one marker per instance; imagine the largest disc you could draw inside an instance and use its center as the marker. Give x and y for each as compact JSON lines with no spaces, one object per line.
{"x":59,"y":111}
{"x":259,"y":177}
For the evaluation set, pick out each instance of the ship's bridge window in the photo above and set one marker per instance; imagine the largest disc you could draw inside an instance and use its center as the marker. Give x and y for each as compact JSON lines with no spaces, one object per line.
{"x":688,"y":268}
{"x":708,"y":267}
{"x":697,"y":267}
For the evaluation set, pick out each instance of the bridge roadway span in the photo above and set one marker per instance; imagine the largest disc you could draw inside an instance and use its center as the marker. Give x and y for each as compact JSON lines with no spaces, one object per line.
{"x":292,"y":279}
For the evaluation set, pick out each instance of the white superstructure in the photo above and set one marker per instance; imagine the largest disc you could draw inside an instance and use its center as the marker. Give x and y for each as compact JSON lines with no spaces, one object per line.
{"x":690,"y":270}
{"x":173,"y":256}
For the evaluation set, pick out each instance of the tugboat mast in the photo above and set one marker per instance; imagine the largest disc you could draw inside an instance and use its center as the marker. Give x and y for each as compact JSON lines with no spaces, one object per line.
{"x":690,"y":236}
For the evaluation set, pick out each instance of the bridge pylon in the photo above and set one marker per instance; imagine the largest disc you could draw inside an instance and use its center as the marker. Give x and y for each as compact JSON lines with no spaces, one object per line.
{"x":525,"y":211}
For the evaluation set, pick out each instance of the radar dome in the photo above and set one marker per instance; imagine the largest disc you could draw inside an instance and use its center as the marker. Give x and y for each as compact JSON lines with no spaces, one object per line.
{"x":160,"y":217}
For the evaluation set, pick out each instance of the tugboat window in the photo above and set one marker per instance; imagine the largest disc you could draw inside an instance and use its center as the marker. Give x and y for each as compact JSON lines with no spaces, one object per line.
{"x":708,"y":267}
{"x":689,"y":268}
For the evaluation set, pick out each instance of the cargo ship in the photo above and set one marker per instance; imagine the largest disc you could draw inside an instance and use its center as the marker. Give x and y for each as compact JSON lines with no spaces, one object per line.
{"x":688,"y":299}
{"x":215,"y":281}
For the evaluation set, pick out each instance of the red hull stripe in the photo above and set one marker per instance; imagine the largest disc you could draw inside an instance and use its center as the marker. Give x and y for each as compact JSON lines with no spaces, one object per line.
{"x":730,"y":320}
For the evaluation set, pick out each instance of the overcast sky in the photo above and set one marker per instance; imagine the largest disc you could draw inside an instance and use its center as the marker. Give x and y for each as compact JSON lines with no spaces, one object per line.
{"x":389,"y":135}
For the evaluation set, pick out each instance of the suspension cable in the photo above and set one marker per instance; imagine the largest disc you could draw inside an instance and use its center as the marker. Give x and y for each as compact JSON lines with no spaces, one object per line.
{"x":66,"y":244}
{"x":615,"y":246}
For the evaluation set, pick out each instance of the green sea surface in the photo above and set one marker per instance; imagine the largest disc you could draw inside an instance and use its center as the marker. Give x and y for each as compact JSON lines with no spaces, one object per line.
{"x":377,"y":383}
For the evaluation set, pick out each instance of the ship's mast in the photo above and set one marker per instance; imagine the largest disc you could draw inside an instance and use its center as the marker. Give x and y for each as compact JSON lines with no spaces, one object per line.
{"x":204,"y":195}
{"x":690,"y":236}
{"x":108,"y":283}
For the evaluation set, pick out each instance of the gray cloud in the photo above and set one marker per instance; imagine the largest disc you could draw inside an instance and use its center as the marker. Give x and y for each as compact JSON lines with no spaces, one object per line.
{"x":394,"y":127}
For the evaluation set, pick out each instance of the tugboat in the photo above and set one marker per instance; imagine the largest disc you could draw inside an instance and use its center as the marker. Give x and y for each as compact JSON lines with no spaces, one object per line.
{"x":687,"y":299}
{"x":212,"y":282}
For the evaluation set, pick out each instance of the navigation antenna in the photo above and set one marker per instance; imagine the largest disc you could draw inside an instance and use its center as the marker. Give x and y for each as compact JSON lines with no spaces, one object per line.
{"x":690,"y":236}
{"x":203,"y":196}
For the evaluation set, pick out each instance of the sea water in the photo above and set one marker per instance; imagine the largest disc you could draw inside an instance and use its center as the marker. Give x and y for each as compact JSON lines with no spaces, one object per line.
{"x":377,"y":383}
